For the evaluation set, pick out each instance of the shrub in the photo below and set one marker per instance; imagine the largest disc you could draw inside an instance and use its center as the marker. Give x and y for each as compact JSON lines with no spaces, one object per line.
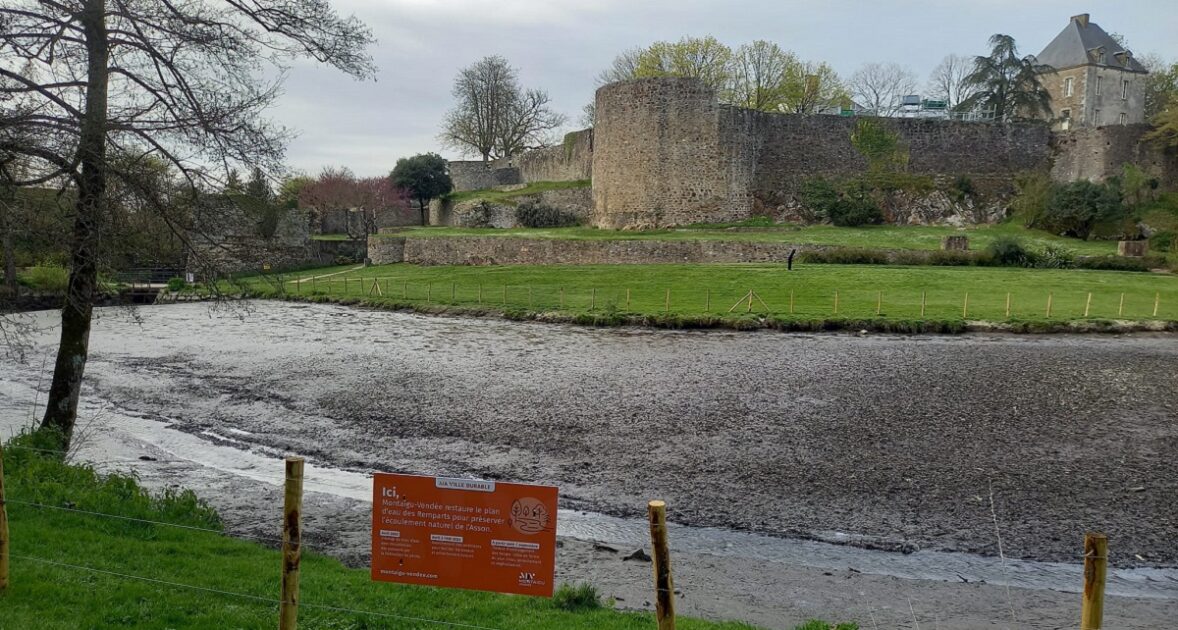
{"x":50,"y":279}
{"x":1055,"y":257}
{"x":846,"y":256}
{"x":533,"y":214}
{"x":1033,"y":192}
{"x":1120,"y":263}
{"x":344,"y":260}
{"x":963,"y":188}
{"x":854,"y":210}
{"x":1164,"y":241}
{"x":1008,"y":251}
{"x":176,"y":285}
{"x":579,"y":597}
{"x":1074,"y":209}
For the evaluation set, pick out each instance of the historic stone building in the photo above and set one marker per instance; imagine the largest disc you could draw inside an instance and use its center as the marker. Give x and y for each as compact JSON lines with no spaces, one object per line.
{"x":1093,"y":81}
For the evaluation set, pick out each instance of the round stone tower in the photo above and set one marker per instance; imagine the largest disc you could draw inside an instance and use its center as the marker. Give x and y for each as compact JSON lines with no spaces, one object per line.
{"x":659,"y":157}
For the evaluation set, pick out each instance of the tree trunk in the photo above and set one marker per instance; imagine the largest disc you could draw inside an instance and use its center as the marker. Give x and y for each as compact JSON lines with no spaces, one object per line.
{"x":61,"y":409}
{"x":8,"y":224}
{"x":422,"y":205}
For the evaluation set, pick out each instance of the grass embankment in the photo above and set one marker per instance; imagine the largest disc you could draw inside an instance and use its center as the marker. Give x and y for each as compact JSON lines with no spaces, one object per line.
{"x":509,"y":196}
{"x":870,"y":237}
{"x":45,"y":596}
{"x":598,"y":294}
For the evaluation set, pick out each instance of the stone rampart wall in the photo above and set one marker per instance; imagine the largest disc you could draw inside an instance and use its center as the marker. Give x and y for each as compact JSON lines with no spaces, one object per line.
{"x":1099,"y":153}
{"x":479,"y":175}
{"x":569,"y":161}
{"x":667,"y":153}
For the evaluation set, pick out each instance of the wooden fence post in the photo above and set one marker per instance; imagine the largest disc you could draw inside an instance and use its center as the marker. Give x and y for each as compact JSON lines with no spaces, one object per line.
{"x":429,"y":291}
{"x":791,"y":302}
{"x":480,"y":294}
{"x":965,"y":306}
{"x":3,"y":529}
{"x":878,"y":303}
{"x":292,"y":544}
{"x":529,"y":296}
{"x":504,"y":294}
{"x":664,"y":589}
{"x":627,"y":298}
{"x":1157,"y":301}
{"x":708,"y":301}
{"x":593,"y":299}
{"x":669,"y":300}
{"x":562,"y":297}
{"x":1121,"y":308}
{"x":1088,"y":304}
{"x":1050,"y":297}
{"x":1095,"y":572}
{"x":404,"y":289}
{"x":453,"y":288}
{"x":923,"y":301}
{"x":1008,"y":305}
{"x":836,"y":302}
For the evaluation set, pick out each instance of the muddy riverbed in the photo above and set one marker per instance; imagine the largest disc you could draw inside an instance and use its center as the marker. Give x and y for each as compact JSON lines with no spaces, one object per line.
{"x":884,"y":443}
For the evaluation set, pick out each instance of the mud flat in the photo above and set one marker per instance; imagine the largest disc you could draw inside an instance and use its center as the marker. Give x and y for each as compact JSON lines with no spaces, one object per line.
{"x":876,"y":443}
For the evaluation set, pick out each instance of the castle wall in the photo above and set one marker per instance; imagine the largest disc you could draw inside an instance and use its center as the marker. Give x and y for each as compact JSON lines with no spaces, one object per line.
{"x":570,"y":160}
{"x":1096,"y":154}
{"x":480,"y":175}
{"x":667,"y":153}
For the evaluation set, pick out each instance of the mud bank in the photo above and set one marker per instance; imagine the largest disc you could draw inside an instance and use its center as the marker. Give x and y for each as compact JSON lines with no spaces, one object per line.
{"x":887,"y":443}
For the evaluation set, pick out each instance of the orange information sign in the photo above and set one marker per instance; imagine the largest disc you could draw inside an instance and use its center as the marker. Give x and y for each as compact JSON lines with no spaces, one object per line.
{"x":464,"y":533}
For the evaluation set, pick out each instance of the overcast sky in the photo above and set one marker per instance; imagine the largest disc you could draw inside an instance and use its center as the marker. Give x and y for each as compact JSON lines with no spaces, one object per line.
{"x":560,"y":45}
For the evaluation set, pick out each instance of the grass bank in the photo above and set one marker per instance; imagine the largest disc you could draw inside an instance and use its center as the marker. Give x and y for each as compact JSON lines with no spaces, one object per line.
{"x":509,"y":196}
{"x":869,"y":237}
{"x":812,"y":297}
{"x":44,"y":594}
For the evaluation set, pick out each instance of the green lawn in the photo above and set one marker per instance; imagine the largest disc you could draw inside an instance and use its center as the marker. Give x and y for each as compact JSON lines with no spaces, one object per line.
{"x":700,"y":290}
{"x":878,"y":236}
{"x":44,"y":596}
{"x":506,"y":196}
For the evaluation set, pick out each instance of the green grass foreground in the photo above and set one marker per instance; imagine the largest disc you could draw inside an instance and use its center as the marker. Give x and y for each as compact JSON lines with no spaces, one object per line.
{"x":703,"y":294}
{"x":47,"y":597}
{"x":871,"y":236}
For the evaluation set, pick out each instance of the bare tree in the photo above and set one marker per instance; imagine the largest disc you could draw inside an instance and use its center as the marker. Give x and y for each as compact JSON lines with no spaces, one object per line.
{"x":176,"y":79}
{"x":949,"y":83}
{"x":880,"y":87}
{"x":623,"y":68}
{"x":493,"y":116}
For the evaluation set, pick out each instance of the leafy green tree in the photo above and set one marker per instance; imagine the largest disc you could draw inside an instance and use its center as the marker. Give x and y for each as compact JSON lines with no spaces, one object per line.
{"x":759,"y":73}
{"x":703,"y":58}
{"x":812,"y":87}
{"x":1075,"y":209}
{"x":424,"y":177}
{"x":1008,"y":84}
{"x":1161,"y":84}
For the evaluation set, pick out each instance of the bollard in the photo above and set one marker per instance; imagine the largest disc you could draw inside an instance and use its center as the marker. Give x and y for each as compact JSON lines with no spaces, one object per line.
{"x":292,"y":544}
{"x":1095,"y":572}
{"x":664,"y":589}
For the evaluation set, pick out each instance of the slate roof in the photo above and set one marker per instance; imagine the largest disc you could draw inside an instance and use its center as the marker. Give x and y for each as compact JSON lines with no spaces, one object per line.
{"x":1071,"y":47}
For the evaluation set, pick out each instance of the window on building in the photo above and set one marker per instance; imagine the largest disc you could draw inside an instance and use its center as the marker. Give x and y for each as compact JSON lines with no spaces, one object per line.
{"x":1068,"y":86}
{"x":1065,"y":114}
{"x":1124,"y":118}
{"x":1124,"y":90}
{"x":1098,"y":82}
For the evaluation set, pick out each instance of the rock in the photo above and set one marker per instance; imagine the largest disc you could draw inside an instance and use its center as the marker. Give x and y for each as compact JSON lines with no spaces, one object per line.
{"x":147,"y":458}
{"x":639,"y":555}
{"x":606,"y":548}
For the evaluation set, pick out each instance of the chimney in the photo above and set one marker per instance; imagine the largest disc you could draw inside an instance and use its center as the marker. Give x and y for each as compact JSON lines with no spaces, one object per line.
{"x":1081,"y":19}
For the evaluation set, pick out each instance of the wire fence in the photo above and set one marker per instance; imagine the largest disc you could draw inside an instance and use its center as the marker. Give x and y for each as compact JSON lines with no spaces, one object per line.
{"x":782,"y":301}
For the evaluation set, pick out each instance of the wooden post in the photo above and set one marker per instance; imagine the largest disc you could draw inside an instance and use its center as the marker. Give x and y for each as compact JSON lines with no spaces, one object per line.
{"x":429,"y":291}
{"x":923,"y":301}
{"x":878,"y":303}
{"x":1095,"y":571}
{"x":965,"y":306}
{"x":664,"y":588}
{"x":292,"y":544}
{"x":504,"y":294}
{"x":708,"y":303}
{"x":593,"y":299}
{"x":627,"y":298}
{"x":750,"y":297}
{"x":1007,"y":305}
{"x":1050,"y":297}
{"x":453,"y":288}
{"x":668,"y":300}
{"x":1088,"y":304}
{"x":1121,"y":308}
{"x":529,"y":296}
{"x":836,"y":302}
{"x":562,"y":297}
{"x":791,"y":302}
{"x":480,"y":293}
{"x":312,"y":284}
{"x":405,"y":290}
{"x":3,"y":529}
{"x":1157,"y":301}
